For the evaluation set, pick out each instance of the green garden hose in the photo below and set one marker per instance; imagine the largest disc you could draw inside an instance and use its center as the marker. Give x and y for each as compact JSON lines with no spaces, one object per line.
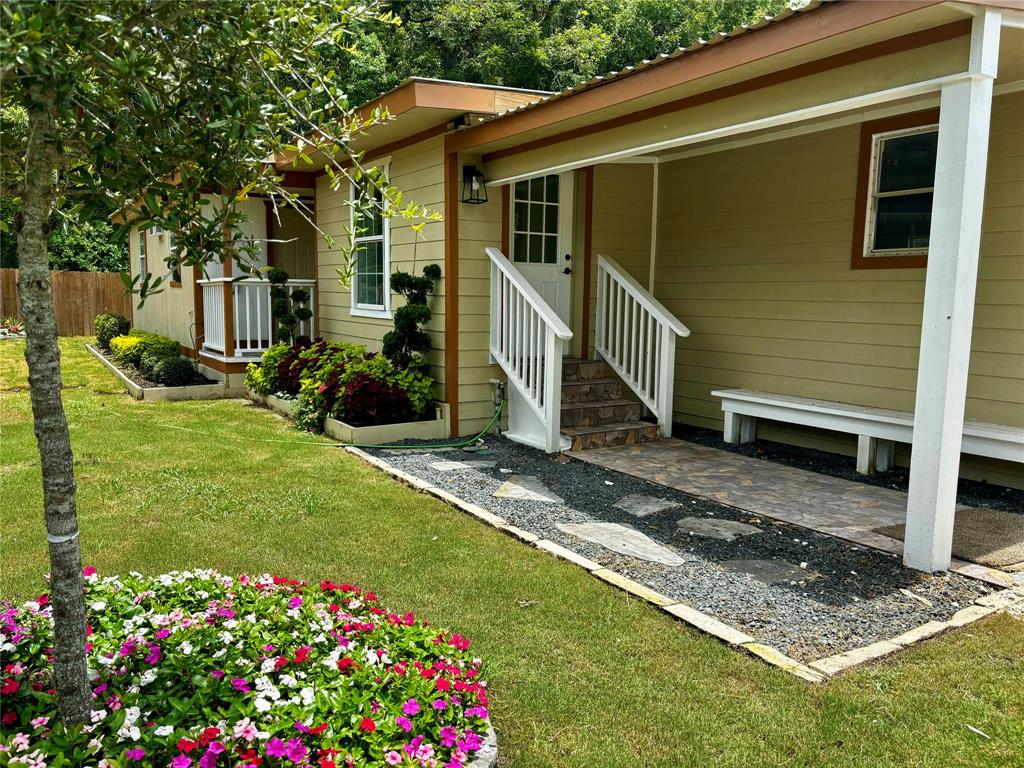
{"x":461,"y":444}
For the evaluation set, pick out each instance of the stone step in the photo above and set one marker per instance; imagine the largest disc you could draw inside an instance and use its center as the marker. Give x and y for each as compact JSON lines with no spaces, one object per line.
{"x":591,"y":413}
{"x":575,"y":369}
{"x":594,"y":389}
{"x":622,"y":433}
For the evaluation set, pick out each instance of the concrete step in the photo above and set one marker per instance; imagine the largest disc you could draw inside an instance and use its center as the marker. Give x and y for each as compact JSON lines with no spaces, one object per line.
{"x":575,"y":369}
{"x":604,"y":435}
{"x":590,"y":413}
{"x":594,"y":389}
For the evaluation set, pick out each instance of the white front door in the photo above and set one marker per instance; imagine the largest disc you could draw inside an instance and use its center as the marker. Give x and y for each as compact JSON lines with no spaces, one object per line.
{"x":541,"y":239}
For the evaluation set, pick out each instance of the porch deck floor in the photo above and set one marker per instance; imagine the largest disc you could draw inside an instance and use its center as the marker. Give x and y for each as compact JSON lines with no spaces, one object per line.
{"x":842,"y":508}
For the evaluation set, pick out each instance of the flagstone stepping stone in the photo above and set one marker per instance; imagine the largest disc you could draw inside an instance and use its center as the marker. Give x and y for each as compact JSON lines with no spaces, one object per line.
{"x":624,"y":540}
{"x":715,"y":528}
{"x":642,"y":506}
{"x":767,"y":571}
{"x":451,"y":466}
{"x":526,"y":488}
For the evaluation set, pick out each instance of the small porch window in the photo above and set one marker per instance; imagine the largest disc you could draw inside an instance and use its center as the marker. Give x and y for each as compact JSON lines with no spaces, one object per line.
{"x":895,"y":189}
{"x":371,"y":254}
{"x":142,"y":252}
{"x":535,"y":220}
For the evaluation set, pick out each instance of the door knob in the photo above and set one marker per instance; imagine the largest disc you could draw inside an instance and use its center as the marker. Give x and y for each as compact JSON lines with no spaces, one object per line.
{"x":567,"y":271}
{"x":568,"y":257}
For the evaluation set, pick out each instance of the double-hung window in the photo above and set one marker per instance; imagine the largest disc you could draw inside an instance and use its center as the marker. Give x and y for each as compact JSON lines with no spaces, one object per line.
{"x":371,"y":293}
{"x":535,"y":220}
{"x":897,"y":198}
{"x":142,"y":252}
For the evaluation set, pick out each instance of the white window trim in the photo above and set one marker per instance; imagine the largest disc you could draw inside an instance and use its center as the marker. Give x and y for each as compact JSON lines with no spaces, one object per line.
{"x":378,"y":311}
{"x":873,"y":195}
{"x":142,"y":242}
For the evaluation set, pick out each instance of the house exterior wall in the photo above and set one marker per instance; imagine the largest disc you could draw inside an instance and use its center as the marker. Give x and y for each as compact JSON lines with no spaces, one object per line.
{"x":170,"y":312}
{"x":418,"y":171}
{"x":755,"y":259}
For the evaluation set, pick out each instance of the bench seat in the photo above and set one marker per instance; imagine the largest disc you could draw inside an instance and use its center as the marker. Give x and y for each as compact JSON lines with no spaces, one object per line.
{"x":877,"y":429}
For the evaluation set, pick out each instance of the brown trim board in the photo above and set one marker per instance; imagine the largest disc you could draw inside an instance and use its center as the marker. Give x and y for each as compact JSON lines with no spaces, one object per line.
{"x":506,"y":218}
{"x":451,"y":286}
{"x":885,"y":48}
{"x":860,"y":207}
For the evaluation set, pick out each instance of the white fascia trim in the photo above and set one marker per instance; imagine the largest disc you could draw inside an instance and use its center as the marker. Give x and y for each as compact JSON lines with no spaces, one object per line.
{"x":862,"y":101}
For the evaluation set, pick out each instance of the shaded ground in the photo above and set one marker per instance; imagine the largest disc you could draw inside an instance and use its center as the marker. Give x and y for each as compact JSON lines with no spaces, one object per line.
{"x":969,"y":492}
{"x":827,"y":595}
{"x":583,"y":675}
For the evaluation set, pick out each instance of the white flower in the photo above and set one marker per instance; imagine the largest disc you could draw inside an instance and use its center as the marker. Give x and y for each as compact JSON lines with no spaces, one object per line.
{"x":267,"y":666}
{"x":262,"y":705}
{"x":186,"y":648}
{"x":131,"y":714}
{"x":164,"y":730}
{"x":147,"y":677}
{"x":289,"y":681}
{"x":99,"y":605}
{"x":307,"y":694}
{"x":226,"y":637}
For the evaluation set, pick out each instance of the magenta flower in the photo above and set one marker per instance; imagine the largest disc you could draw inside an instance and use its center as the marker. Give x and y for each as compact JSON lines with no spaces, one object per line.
{"x":217,"y":674}
{"x":411,"y":707}
{"x":448,"y":735}
{"x":296,"y":751}
{"x":240,"y":684}
{"x":275,"y":748}
{"x":135,"y":754}
{"x":295,"y":602}
{"x":404,"y":723}
{"x":160,"y":634}
{"x":154,"y":654}
{"x":440,"y":704}
{"x":181,"y":761}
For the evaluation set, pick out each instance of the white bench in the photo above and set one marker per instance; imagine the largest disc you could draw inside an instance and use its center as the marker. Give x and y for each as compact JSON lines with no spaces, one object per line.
{"x":877,"y":429}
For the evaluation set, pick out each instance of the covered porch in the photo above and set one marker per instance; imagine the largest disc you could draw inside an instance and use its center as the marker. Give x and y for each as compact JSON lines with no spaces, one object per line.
{"x":711,"y":249}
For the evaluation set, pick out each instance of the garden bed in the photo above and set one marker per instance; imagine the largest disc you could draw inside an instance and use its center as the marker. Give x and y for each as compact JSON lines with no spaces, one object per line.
{"x":142,"y":389}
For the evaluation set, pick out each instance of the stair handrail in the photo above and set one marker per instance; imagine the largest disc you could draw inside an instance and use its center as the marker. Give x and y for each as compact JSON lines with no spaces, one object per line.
{"x":639,"y":347}
{"x":526,"y":338}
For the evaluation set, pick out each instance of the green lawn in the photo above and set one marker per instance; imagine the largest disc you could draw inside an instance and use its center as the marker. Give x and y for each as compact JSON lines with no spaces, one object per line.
{"x":584,"y":676}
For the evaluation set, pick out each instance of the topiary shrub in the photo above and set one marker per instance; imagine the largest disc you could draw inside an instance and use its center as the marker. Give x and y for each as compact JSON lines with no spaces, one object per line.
{"x":131,"y":349}
{"x":408,"y":342}
{"x":109,"y":326}
{"x":195,"y":669}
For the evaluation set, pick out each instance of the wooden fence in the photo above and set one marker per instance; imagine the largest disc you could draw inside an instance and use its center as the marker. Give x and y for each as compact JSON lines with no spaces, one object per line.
{"x":77,"y":298}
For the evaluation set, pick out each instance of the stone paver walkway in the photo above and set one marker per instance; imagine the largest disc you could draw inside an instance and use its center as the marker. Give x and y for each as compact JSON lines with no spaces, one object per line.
{"x":832,"y":505}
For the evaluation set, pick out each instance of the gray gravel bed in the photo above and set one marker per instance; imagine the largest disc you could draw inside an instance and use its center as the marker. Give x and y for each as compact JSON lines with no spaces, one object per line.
{"x":845,"y":595}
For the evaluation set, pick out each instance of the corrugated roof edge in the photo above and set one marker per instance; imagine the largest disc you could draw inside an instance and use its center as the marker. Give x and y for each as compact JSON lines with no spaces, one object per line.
{"x":789,"y":13}
{"x":461,"y":83}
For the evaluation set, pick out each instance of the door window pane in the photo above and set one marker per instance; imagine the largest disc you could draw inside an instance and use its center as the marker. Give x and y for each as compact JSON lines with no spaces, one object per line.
{"x":535,"y":220}
{"x":550,"y":249}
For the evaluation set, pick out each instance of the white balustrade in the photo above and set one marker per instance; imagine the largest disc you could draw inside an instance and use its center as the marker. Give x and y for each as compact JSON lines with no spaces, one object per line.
{"x":636,"y":336}
{"x":251,"y":320}
{"x":526,"y":338}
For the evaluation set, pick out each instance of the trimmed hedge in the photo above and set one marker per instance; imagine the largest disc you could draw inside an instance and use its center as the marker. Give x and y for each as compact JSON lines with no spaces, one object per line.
{"x":156,"y":357}
{"x":109,"y":326}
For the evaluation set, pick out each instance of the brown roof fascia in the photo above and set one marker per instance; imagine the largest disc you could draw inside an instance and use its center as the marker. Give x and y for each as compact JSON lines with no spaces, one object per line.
{"x":894,"y":45}
{"x":806,"y":28}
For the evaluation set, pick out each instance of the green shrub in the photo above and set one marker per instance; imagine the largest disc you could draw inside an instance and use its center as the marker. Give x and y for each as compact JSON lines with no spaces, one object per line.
{"x":261,"y":377}
{"x":130,"y":349}
{"x":109,"y":326}
{"x":173,"y":372}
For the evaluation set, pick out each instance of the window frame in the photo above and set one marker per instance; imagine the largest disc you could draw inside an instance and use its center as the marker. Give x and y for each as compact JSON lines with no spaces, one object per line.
{"x":143,"y":247}
{"x":172,"y":245}
{"x":528,"y":232}
{"x":872,"y":135}
{"x":357,"y":309}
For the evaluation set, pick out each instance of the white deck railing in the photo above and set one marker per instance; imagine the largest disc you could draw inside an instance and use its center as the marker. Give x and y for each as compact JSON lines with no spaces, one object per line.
{"x":251,"y":320}
{"x":636,"y":335}
{"x":526,"y":338}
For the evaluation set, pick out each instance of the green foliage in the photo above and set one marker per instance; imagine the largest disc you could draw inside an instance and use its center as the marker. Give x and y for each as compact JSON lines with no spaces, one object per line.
{"x":408,"y":342}
{"x":131,"y":349}
{"x":261,"y":377}
{"x":173,"y":371}
{"x":109,"y":326}
{"x":86,"y":246}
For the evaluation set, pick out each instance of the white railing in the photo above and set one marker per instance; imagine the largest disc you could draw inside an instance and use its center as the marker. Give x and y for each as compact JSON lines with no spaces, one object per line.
{"x":251,"y":320}
{"x":636,"y":336}
{"x":526,"y":338}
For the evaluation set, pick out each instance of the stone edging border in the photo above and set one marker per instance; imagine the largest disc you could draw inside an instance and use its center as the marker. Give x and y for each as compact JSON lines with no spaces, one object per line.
{"x":153,"y":394}
{"x":814,"y":672}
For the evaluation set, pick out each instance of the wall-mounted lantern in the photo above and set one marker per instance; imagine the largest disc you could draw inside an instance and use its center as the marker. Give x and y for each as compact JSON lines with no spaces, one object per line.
{"x":474,"y":186}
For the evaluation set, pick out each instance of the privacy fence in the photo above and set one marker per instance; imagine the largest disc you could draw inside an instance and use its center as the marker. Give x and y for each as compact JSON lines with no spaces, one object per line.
{"x":77,"y":298}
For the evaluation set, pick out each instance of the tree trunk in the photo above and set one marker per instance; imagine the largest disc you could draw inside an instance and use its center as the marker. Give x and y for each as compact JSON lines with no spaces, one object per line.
{"x":51,"y":427}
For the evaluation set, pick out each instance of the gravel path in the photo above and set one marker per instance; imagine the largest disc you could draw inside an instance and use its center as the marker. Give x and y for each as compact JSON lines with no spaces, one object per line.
{"x":839,"y":596}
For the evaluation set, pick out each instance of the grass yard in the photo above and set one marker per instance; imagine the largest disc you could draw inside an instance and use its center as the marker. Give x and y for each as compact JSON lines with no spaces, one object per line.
{"x":582,"y":676}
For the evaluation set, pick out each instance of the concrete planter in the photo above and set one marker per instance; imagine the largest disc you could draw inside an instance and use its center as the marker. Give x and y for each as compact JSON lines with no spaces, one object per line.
{"x":154,"y":394}
{"x":277,"y":404}
{"x":433,"y":429}
{"x":487,"y":757}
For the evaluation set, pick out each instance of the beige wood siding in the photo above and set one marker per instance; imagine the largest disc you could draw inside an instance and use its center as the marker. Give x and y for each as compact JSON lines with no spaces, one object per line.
{"x":754,"y":256}
{"x":418,"y":171}
{"x":170,"y":312}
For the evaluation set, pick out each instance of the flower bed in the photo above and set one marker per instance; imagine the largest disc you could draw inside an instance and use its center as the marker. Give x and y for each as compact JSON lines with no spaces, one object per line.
{"x":198,"y":669}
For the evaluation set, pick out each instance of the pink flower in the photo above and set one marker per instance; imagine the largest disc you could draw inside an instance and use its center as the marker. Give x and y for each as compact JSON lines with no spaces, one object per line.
{"x":181,"y":761}
{"x":404,"y":723}
{"x":295,"y":602}
{"x":392,"y":758}
{"x":411,"y":707}
{"x":240,"y":684}
{"x":89,"y":570}
{"x":135,"y":754}
{"x":275,"y":748}
{"x":217,"y":674}
{"x":448,"y":735}
{"x":296,"y":751}
{"x":440,"y":704}
{"x":39,"y":722}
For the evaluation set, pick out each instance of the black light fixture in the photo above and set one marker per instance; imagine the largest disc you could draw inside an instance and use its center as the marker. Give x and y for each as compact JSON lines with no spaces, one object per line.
{"x":474,"y":186}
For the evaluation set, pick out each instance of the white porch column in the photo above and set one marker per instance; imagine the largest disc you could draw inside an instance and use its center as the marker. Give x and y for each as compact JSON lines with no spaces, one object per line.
{"x":948,"y":317}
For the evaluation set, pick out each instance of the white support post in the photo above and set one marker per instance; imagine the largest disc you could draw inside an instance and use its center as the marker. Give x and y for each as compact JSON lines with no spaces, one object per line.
{"x":867,"y":447}
{"x":666,"y":373}
{"x":885,"y":455}
{"x":951,"y":277}
{"x":553,"y":391}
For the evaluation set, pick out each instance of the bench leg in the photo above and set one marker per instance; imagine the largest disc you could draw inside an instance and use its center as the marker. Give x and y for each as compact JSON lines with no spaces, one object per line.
{"x":866,"y":450}
{"x":885,"y":455}
{"x":739,"y":428}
